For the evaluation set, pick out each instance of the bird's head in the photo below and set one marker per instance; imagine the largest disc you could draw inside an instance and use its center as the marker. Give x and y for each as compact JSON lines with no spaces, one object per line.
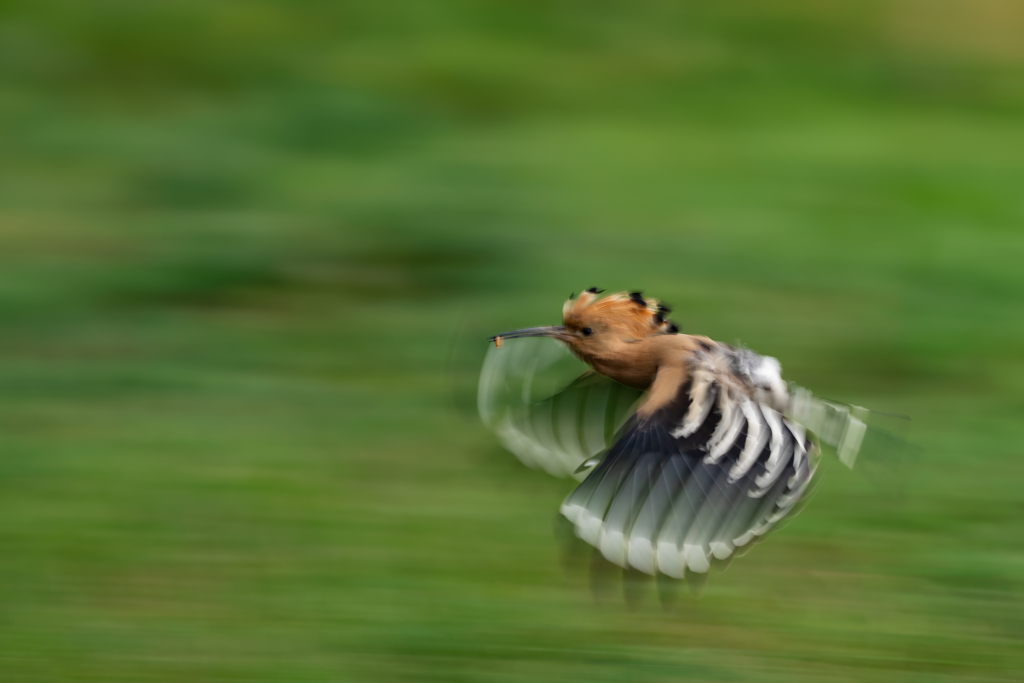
{"x":594,"y":327}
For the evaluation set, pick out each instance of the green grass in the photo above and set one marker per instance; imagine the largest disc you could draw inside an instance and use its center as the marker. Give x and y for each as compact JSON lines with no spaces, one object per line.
{"x":250,"y":252}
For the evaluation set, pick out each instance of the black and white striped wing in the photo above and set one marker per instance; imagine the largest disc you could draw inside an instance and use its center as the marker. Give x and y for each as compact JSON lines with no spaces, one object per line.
{"x":695,"y":481}
{"x":550,"y":421}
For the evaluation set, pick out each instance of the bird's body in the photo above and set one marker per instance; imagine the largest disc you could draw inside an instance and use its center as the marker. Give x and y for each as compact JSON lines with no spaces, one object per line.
{"x":715,"y":452}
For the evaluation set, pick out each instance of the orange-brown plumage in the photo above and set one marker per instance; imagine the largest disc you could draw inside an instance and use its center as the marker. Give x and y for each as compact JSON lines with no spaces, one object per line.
{"x":626,"y":337}
{"x":640,"y":318}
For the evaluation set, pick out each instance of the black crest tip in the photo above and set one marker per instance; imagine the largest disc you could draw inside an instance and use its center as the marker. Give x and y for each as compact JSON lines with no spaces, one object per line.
{"x":673,"y":329}
{"x":595,"y":290}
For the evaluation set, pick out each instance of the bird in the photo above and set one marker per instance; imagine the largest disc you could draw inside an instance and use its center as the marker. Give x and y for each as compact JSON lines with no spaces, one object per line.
{"x":687,"y":450}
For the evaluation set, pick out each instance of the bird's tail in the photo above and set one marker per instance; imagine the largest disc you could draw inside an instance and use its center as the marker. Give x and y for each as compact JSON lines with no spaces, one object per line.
{"x":839,"y":425}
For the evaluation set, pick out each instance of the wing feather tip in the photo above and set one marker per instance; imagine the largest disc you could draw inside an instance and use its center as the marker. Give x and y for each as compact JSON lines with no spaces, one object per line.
{"x":721,"y":550}
{"x":613,"y":547}
{"x":670,"y":560}
{"x":588,"y":527}
{"x":696,"y":558}
{"x":641,"y":555}
{"x":571,"y":512}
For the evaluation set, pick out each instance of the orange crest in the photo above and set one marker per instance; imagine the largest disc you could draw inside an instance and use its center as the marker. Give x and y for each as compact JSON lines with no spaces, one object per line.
{"x":631,"y":313}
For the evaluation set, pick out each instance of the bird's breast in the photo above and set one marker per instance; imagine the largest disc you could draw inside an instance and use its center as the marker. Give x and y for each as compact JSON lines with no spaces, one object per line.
{"x":635,"y":373}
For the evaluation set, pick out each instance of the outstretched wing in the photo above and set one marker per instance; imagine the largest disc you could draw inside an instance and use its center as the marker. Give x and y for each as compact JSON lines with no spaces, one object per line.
{"x":708,"y":473}
{"x":528,"y":397}
{"x":702,"y":476}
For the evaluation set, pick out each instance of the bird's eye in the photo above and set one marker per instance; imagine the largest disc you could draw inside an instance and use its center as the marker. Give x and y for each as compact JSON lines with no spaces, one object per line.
{"x":587,"y":331}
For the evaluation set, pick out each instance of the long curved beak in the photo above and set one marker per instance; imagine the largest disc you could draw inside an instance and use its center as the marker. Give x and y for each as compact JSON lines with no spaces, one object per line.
{"x":556,"y":331}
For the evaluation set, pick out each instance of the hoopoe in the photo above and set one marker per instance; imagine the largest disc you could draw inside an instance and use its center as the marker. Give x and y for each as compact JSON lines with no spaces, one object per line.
{"x":712,"y":448}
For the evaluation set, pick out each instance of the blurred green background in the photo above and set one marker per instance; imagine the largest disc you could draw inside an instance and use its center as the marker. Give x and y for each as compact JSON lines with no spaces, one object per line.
{"x":250,"y":251}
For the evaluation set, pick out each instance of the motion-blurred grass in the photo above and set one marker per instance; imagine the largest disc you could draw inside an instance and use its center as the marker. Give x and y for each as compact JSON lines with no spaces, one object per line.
{"x":250,"y":252}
